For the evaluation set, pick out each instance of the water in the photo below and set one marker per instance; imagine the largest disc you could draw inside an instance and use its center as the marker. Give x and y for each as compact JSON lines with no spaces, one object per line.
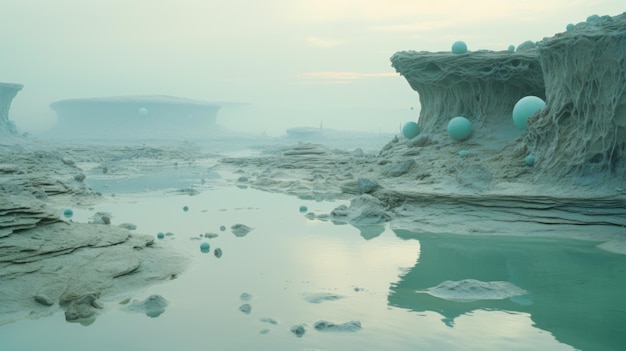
{"x":371,"y":275}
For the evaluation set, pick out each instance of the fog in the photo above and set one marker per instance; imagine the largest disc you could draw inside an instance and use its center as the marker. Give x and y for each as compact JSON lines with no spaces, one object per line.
{"x":293,"y":63}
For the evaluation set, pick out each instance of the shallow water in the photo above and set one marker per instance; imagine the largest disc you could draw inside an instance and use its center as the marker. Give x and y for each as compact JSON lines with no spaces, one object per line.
{"x":298,"y":271}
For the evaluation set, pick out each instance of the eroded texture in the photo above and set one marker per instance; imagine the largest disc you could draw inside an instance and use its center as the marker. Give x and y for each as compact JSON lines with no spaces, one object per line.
{"x":483,"y":86}
{"x":582,"y":129}
{"x":7,"y":93}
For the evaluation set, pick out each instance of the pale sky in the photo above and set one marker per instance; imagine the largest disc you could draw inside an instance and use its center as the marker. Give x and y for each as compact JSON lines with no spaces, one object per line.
{"x":297,"y":62}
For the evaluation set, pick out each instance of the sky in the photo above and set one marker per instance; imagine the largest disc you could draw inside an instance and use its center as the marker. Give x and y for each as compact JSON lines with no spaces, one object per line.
{"x":294,"y":63}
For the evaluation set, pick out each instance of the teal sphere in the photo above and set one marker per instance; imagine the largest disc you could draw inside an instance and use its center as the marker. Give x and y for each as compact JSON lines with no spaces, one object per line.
{"x":303,"y":208}
{"x":524,"y":108}
{"x":529,"y":160}
{"x":410,"y":130}
{"x":205,"y":247}
{"x":569,"y":27}
{"x":160,"y":235}
{"x":185,"y":208}
{"x":68,"y":213}
{"x":143,"y":112}
{"x":511,"y":48}
{"x":459,"y":128}
{"x":459,"y":47}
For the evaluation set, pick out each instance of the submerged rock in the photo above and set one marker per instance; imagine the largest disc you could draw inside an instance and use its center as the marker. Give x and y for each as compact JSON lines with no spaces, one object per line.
{"x":240,"y":230}
{"x":326,"y":326}
{"x":468,"y":290}
{"x":322,"y":297}
{"x":298,"y":330}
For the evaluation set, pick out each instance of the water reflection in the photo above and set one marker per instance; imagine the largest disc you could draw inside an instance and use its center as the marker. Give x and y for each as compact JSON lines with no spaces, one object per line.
{"x":575,"y":290}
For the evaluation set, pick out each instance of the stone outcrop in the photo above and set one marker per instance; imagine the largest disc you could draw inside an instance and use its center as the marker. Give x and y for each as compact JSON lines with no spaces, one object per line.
{"x":581,"y":74}
{"x":48,"y":265}
{"x":482,"y":86}
{"x":7,"y":92}
{"x":582,"y":129}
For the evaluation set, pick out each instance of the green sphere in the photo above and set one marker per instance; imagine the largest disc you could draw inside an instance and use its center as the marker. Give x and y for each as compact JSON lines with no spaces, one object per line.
{"x":459,"y":128}
{"x":459,"y":47}
{"x":570,"y":26}
{"x":511,"y":48}
{"x":529,"y":160}
{"x":524,"y":108}
{"x":410,"y":130}
{"x":205,"y":247}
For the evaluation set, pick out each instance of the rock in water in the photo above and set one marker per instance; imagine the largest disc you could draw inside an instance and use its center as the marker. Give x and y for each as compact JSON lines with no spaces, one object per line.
{"x":469,"y":290}
{"x":240,"y":230}
{"x":326,"y":326}
{"x":298,"y":330}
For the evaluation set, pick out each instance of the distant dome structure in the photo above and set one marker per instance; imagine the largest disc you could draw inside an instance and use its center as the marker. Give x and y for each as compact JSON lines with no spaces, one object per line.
{"x":144,"y":116}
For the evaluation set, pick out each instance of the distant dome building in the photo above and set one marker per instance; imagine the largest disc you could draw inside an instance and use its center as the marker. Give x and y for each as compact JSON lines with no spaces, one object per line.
{"x":135,"y":117}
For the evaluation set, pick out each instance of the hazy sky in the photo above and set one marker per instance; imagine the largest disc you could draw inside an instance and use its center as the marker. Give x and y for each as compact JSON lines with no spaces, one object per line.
{"x":297,"y":62}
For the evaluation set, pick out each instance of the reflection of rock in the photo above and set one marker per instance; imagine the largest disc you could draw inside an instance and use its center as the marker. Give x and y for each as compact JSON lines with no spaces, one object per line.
{"x":370,"y":231}
{"x":326,"y":326}
{"x":472,"y":290}
{"x":153,"y":306}
{"x":80,"y":307}
{"x":298,"y":330}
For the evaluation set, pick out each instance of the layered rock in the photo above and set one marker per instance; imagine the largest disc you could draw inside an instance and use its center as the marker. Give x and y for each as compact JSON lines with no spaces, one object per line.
{"x":7,"y":92}
{"x":582,"y":129}
{"x":482,"y":86}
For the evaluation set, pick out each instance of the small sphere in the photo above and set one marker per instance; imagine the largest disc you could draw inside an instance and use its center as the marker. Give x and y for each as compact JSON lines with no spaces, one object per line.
{"x":529,"y":160}
{"x":303,"y":208}
{"x":524,"y":108}
{"x":160,"y":235}
{"x":592,"y":18}
{"x":511,"y":48}
{"x":459,"y":47}
{"x":569,"y":27}
{"x":205,"y":247}
{"x":222,"y":228}
{"x":459,"y":128}
{"x":143,"y":111}
{"x":185,"y":208}
{"x":68,"y":213}
{"x":410,"y":130}
{"x":464,"y":153}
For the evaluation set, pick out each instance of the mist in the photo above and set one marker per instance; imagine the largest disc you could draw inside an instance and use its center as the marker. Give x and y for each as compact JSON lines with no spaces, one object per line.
{"x":301,"y":63}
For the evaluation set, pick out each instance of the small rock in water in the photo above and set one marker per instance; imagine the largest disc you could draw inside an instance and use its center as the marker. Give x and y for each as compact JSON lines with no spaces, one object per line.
{"x":245,"y":308}
{"x":351,"y":326}
{"x":264,"y":331}
{"x":268,"y":320}
{"x":185,"y":208}
{"x":217,"y":252}
{"x":303,"y":208}
{"x":240,"y":230}
{"x":245,"y":296}
{"x":322,"y":297}
{"x":160,"y":235}
{"x":205,"y":247}
{"x":210,"y":235}
{"x":298,"y":330}
{"x":222,"y":228}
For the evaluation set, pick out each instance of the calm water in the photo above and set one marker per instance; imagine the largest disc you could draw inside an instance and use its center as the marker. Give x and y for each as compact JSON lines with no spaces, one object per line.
{"x":575,"y":294}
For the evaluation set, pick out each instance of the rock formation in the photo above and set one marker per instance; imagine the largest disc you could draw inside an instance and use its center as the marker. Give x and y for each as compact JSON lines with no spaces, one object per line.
{"x":581,"y":73}
{"x":482,"y":86}
{"x":7,"y":93}
{"x":582,"y":129}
